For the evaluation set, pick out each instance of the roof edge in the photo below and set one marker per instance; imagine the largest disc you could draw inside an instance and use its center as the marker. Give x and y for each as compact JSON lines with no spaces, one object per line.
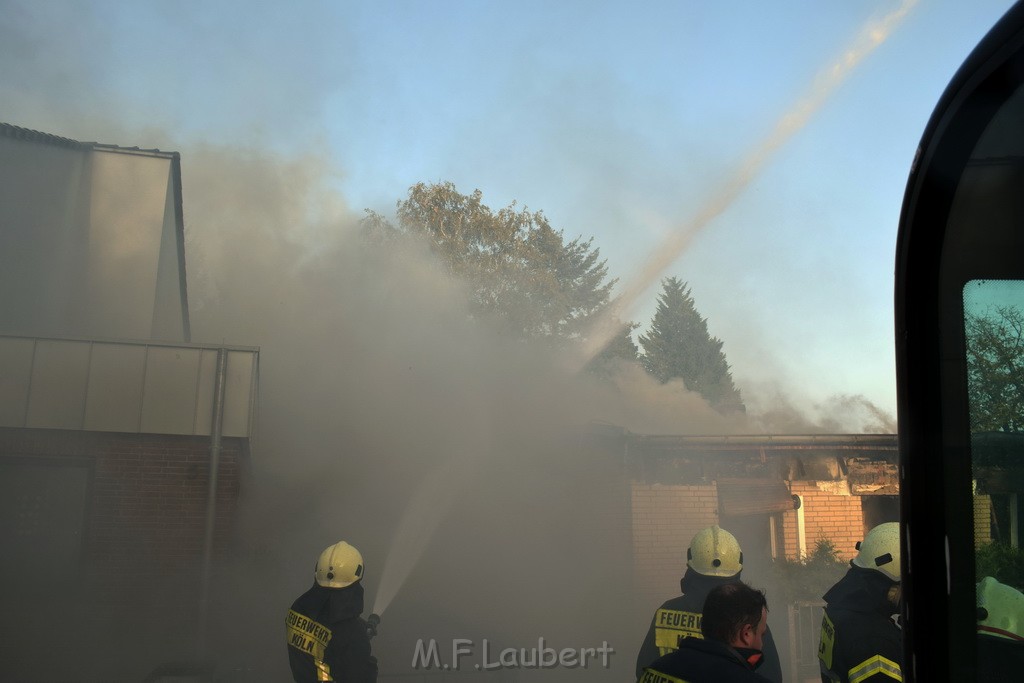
{"x":9,"y":130}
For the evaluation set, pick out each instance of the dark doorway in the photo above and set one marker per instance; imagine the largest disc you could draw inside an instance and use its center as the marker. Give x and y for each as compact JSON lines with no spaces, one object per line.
{"x":879,"y":509}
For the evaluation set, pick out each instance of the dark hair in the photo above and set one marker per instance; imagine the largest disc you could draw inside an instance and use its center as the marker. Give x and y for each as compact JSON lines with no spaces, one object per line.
{"x":730,"y":607}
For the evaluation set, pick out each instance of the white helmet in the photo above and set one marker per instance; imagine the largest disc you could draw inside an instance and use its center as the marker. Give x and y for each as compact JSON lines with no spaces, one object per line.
{"x":1000,"y":610}
{"x":881,"y":550}
{"x":714,"y":552}
{"x":340,"y":565}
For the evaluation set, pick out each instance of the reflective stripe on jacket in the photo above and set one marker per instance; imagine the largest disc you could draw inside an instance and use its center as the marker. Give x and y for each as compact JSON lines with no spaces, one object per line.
{"x":680,"y":617}
{"x":859,"y":641}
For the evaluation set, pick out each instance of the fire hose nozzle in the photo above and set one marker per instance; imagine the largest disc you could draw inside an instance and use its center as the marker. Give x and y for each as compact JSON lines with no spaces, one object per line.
{"x":372,"y":622}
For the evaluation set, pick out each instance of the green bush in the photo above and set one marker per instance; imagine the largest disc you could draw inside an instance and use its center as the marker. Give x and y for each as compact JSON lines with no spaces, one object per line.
{"x":808,"y":579}
{"x":1002,"y":562}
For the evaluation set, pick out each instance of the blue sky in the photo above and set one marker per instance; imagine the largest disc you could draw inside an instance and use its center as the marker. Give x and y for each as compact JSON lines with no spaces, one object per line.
{"x":616,"y":119}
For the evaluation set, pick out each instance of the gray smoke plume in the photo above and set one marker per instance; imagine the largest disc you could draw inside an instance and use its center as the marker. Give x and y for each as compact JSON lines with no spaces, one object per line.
{"x":380,"y":400}
{"x":389,"y":418}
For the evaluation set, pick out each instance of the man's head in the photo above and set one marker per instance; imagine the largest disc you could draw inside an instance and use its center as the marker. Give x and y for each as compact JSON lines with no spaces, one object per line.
{"x":340,"y":565}
{"x":880,"y":551}
{"x":735,"y":614}
{"x":1000,"y":611}
{"x":715,"y":552}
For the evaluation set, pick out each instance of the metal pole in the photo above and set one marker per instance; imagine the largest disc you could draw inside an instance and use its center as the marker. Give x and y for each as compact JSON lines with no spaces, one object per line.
{"x":211,"y":497}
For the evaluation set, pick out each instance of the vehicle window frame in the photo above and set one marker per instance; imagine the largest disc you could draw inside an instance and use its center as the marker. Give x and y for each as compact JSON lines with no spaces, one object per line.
{"x":932,"y":401}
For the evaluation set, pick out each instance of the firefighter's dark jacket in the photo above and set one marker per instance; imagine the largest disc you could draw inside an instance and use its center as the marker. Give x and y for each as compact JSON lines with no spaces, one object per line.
{"x":680,"y":617}
{"x":327,"y":639}
{"x":859,"y":640}
{"x":999,"y":659}
{"x":704,"y":661}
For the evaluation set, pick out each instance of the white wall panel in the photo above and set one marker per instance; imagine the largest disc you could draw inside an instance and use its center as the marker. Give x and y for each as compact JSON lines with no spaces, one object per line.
{"x":15,"y":376}
{"x":114,"y":399}
{"x":60,"y":373}
{"x":124,"y":386}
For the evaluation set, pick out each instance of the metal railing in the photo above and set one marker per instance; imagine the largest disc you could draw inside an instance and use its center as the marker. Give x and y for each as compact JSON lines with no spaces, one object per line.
{"x":804,"y":637}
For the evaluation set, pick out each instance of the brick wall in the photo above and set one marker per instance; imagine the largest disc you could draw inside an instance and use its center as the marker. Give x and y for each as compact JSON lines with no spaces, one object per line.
{"x":982,"y":520}
{"x":145,"y":511}
{"x":665,"y":518}
{"x":129,"y":589}
{"x":830,"y":512}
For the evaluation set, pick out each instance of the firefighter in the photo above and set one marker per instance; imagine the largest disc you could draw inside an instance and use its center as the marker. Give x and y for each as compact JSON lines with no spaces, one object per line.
{"x":1000,"y":631}
{"x":861,"y":640}
{"x":327,"y":639}
{"x":714,"y":558}
{"x":733,"y":627}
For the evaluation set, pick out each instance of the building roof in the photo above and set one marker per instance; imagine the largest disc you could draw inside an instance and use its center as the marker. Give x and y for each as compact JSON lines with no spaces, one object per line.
{"x":768,"y":442}
{"x":9,"y":130}
{"x":22,"y":147}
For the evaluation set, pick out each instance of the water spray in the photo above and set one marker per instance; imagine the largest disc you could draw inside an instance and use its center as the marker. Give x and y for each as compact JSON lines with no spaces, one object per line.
{"x":424,"y":513}
{"x":873,"y":34}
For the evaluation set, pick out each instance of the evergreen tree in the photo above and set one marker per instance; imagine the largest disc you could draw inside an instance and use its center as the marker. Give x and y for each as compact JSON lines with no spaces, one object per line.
{"x":620,"y":347}
{"x":678,"y":345}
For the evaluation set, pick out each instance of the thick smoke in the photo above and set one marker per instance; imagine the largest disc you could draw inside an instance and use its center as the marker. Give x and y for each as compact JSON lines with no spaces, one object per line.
{"x":775,"y":412}
{"x":448,"y":454}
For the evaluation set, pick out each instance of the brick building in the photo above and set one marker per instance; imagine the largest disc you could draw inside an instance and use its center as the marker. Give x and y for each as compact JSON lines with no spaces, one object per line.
{"x":123,"y":444}
{"x":780,"y":495}
{"x":997,"y":479}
